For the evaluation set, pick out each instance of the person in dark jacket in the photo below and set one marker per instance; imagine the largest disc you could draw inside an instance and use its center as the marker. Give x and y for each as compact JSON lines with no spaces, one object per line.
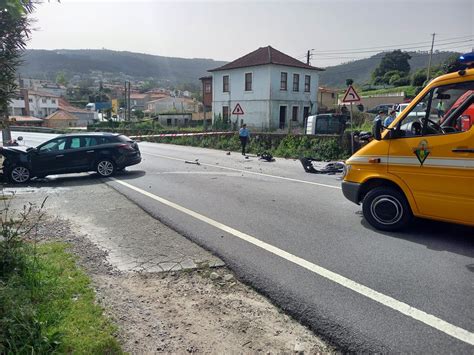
{"x":244,"y":136}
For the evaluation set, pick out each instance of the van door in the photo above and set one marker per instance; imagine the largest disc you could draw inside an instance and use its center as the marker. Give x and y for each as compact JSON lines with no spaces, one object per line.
{"x":435,"y":155}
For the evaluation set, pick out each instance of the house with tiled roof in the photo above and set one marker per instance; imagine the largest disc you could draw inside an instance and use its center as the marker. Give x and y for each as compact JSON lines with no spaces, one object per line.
{"x":60,"y":119}
{"x":84,"y":117}
{"x":25,"y":121}
{"x":266,"y":89}
{"x":33,"y":103}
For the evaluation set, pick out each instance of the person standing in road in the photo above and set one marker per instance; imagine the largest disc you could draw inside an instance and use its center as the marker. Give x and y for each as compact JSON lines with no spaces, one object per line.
{"x":388,"y":121}
{"x":440,"y":109}
{"x":380,"y":116}
{"x":244,"y":136}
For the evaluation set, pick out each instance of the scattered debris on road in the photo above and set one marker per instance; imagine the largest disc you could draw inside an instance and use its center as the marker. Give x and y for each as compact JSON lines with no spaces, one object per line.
{"x":196,"y":162}
{"x":330,"y":168}
{"x":267,"y":157}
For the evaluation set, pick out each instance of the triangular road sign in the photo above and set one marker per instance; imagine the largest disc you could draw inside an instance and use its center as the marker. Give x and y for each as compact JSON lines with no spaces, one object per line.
{"x":350,"y":95}
{"x":238,"y":110}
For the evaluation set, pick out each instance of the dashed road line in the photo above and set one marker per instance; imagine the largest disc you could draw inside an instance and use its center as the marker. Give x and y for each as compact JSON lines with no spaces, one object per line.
{"x":414,"y":313}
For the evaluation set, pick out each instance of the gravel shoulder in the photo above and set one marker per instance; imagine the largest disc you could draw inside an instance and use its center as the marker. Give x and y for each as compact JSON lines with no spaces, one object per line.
{"x":165,"y":293}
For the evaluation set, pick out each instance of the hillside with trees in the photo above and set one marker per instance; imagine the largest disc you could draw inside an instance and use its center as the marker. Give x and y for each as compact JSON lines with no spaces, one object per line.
{"x":46,"y":64}
{"x":361,"y":70}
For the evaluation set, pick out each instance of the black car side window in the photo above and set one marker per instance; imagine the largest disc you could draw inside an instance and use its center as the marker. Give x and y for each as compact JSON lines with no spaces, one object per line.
{"x":91,"y":141}
{"x":76,"y":143}
{"x":54,"y":145}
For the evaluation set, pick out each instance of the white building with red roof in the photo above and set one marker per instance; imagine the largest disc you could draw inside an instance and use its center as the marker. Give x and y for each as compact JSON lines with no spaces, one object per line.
{"x":266,"y":89}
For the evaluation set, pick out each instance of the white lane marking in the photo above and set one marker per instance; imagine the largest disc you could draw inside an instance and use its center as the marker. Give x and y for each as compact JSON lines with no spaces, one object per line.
{"x":249,"y":172}
{"x":428,"y":319}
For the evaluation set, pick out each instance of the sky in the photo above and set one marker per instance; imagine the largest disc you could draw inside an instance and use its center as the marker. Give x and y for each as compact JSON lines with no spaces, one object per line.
{"x":335,"y":31}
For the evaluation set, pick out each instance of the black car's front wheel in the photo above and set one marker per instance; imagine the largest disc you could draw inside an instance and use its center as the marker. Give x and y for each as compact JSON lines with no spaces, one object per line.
{"x":19,"y":174}
{"x":105,"y":167}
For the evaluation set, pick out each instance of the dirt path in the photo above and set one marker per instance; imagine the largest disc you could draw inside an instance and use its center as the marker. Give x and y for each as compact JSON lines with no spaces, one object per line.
{"x":198,"y":309}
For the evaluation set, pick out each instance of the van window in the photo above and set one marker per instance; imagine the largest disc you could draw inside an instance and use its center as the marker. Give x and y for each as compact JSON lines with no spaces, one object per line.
{"x":443,"y":110}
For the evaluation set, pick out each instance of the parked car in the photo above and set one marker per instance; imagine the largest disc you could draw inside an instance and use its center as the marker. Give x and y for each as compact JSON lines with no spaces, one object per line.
{"x":326,"y":123}
{"x":104,"y":153}
{"x":382,"y":107}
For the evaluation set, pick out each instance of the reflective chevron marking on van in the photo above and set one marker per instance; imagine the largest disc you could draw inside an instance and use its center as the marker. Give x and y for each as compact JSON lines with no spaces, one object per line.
{"x":429,"y":162}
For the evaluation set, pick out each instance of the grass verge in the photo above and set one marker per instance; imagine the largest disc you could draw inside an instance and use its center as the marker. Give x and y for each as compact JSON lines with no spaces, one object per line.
{"x":47,"y":305}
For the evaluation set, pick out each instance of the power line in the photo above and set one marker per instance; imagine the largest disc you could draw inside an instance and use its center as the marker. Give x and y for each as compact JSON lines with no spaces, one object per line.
{"x":396,"y":47}
{"x":353,"y":50}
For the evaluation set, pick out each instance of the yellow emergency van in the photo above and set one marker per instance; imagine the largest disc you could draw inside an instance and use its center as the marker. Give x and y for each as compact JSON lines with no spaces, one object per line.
{"x":420,"y":165}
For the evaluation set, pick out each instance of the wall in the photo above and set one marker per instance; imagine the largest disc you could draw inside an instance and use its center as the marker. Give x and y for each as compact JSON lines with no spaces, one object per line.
{"x":178,"y":119}
{"x":254,"y":103}
{"x":327,"y":100}
{"x":84,"y":118}
{"x":60,"y":123}
{"x":41,"y":109}
{"x":292,"y":98}
{"x":170,"y":104}
{"x":370,"y":102}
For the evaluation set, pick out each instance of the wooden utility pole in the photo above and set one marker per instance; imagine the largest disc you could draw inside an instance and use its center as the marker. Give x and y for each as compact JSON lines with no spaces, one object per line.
{"x":431,"y":56}
{"x":307,"y":57}
{"x":128,"y":101}
{"x":125,"y":101}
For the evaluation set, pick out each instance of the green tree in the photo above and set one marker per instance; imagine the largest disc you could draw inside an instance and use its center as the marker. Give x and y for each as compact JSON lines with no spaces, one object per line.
{"x":61,"y":78}
{"x":392,"y":61}
{"x":452,"y":64}
{"x":349,"y":82}
{"x":14,"y":30}
{"x":139,"y":114}
{"x":419,"y":77}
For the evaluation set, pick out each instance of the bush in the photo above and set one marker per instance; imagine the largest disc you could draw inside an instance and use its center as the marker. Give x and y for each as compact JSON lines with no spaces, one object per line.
{"x":46,"y":303}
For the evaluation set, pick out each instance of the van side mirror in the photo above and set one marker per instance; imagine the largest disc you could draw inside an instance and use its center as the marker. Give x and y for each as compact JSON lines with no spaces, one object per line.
{"x":378,"y":130}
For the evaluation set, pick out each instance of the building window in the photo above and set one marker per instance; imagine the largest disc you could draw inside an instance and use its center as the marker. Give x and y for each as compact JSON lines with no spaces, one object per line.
{"x":248,"y":81}
{"x":43,"y":101}
{"x":225,"y":113}
{"x":296,"y":82}
{"x":225,"y":83}
{"x":307,"y":83}
{"x":333,"y":95}
{"x":53,"y":101}
{"x":30,"y":100}
{"x":207,"y":88}
{"x":294,"y":113}
{"x":168,"y":121}
{"x":284,"y":81}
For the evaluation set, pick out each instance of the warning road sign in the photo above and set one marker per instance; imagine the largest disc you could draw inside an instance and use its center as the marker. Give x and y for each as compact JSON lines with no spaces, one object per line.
{"x":351,"y":95}
{"x":238,"y":110}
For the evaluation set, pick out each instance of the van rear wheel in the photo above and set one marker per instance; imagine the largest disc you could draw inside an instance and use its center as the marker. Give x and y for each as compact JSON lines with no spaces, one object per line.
{"x":387,"y":209}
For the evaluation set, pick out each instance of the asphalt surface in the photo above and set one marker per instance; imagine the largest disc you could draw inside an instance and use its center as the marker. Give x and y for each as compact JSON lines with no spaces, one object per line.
{"x":429,"y":268}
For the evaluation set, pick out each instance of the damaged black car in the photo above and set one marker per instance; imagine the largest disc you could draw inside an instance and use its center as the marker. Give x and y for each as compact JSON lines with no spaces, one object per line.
{"x":105,"y":153}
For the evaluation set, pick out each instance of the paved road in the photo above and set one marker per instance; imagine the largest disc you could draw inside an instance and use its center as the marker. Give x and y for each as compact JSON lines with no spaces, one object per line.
{"x":294,"y":237}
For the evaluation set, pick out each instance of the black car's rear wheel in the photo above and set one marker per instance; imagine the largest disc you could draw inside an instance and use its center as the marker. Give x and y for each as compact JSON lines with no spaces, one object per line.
{"x":19,"y":174}
{"x":105,"y":167}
